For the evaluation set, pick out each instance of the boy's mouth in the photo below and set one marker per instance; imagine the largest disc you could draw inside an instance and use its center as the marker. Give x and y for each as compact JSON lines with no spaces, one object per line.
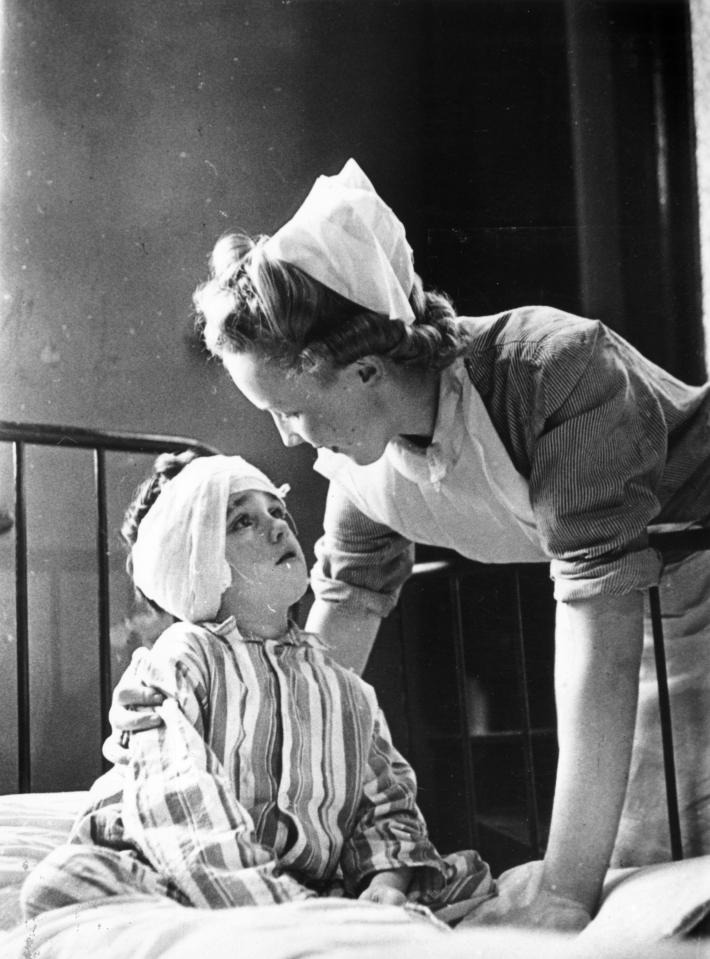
{"x":289,"y":554}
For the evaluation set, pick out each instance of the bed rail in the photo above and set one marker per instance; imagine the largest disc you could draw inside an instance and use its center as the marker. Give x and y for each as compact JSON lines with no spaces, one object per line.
{"x":102,"y":443}
{"x":451,"y":572}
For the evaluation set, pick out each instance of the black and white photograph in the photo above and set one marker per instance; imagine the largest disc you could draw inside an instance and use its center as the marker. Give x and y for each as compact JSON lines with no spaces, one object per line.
{"x":355,"y":479}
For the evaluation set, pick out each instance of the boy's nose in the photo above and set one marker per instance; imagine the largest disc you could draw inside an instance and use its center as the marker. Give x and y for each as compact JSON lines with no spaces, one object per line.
{"x":277,"y":529}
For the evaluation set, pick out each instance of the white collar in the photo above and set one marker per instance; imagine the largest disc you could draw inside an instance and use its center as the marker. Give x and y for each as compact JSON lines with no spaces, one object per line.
{"x":293,"y":636}
{"x":430,"y":464}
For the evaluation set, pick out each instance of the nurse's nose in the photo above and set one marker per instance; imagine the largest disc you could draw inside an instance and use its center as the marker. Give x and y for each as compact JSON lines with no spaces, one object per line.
{"x":289,"y":437}
{"x":292,"y":439}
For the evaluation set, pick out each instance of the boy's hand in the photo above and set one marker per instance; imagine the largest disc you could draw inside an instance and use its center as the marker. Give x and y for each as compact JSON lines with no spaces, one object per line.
{"x":388,"y":888}
{"x":385,"y":895}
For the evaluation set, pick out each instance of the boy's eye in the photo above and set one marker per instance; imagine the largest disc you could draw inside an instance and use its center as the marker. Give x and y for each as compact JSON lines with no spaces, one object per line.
{"x":242,"y":521}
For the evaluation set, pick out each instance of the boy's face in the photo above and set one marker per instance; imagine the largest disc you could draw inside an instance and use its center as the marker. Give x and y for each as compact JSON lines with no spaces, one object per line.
{"x":267,"y":562}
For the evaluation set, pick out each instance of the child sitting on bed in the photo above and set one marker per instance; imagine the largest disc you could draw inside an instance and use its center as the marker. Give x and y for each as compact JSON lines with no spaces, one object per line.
{"x":272,"y":777}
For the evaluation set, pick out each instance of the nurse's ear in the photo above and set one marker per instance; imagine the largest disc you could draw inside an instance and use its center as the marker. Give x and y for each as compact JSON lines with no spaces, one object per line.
{"x":370,"y":370}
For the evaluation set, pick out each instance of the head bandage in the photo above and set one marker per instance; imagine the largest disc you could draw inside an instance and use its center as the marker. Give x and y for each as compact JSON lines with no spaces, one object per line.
{"x":179,"y":554}
{"x":346,"y":237}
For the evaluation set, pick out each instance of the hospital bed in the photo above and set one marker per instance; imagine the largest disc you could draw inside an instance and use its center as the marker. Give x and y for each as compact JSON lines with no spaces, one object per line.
{"x":58,"y":557}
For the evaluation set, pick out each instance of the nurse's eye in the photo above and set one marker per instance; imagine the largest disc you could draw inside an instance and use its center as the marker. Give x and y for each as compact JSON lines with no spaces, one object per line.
{"x":278,"y":512}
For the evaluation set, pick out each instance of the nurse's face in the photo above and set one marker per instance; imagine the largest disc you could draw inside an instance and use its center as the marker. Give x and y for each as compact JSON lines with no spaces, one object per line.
{"x":348,"y":414}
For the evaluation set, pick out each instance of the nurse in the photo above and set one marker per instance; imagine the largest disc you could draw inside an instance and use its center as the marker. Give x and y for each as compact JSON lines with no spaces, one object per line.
{"x":527,"y":436}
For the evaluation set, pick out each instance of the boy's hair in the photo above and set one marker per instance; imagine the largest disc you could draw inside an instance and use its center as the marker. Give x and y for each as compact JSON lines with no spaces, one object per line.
{"x":166,"y":466}
{"x":255,"y":303}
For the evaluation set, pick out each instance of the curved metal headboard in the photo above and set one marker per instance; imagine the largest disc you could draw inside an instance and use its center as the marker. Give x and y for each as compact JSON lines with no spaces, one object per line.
{"x":102,"y":442}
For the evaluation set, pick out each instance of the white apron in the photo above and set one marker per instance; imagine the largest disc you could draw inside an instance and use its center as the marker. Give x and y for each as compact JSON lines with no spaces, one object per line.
{"x":463,"y":492}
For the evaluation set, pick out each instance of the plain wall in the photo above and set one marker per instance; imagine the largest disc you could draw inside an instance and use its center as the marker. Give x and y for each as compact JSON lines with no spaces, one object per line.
{"x":134,"y":135}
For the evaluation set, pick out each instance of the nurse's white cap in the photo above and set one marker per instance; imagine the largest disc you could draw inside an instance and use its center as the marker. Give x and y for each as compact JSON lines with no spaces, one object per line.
{"x":347,"y":238}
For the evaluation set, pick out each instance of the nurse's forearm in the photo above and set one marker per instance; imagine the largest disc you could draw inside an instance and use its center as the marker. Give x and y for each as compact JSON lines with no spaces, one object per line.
{"x":350,"y":633}
{"x":598,"y":650}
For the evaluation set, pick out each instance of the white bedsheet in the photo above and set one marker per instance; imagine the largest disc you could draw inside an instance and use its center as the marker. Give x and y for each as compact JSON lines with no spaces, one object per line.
{"x":645,"y":914}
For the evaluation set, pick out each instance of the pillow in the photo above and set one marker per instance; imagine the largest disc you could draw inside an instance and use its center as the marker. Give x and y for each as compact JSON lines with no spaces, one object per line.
{"x":640,"y":906}
{"x":651,"y":903}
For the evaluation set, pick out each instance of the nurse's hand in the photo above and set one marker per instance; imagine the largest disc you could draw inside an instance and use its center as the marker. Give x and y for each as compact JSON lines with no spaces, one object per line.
{"x":524,"y":901}
{"x":545,"y":911}
{"x":132,"y":710}
{"x":548,"y":911}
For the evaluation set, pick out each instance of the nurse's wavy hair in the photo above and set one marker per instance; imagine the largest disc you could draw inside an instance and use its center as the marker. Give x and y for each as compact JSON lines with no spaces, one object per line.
{"x":254,"y":303}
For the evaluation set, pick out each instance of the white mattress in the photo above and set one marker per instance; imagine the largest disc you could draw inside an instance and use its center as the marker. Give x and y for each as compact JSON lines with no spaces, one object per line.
{"x":646,"y":913}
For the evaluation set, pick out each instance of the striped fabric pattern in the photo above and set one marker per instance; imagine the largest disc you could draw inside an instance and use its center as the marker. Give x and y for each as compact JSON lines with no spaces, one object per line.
{"x":272,"y":779}
{"x":83,"y":873}
{"x":608,"y":442}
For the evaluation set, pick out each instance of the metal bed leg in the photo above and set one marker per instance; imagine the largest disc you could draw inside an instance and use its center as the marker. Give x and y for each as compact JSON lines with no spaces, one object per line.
{"x":102,"y":553}
{"x":22,"y":622}
{"x":460,"y":666}
{"x":664,"y":707}
{"x":526,"y":731}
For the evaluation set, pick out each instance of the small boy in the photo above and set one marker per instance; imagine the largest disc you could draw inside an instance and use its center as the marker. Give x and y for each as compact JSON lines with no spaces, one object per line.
{"x":272,"y":776}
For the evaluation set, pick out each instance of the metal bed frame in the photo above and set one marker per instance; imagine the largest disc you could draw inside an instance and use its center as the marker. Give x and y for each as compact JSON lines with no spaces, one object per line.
{"x":104,"y":442}
{"x":452,"y":572}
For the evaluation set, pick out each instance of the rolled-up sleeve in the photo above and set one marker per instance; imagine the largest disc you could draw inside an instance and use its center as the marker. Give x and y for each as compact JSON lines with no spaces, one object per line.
{"x":359,"y":562}
{"x":595,"y":468}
